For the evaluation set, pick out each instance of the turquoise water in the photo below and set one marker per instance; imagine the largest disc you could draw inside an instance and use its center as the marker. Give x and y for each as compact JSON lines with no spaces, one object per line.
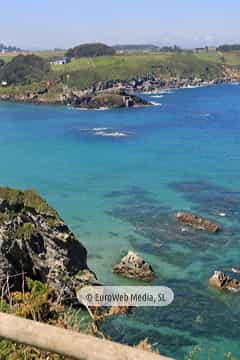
{"x":119,"y":193}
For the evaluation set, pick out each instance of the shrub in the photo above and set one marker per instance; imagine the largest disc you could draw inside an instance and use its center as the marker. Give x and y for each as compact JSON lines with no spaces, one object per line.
{"x":24,"y":69}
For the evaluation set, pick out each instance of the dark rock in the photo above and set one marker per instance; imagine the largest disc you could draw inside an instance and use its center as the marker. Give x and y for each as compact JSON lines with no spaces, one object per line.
{"x":133,"y":266}
{"x":197,"y":222}
{"x":35,"y":242}
{"x":42,"y":91}
{"x":222,"y":281}
{"x":111,"y":99}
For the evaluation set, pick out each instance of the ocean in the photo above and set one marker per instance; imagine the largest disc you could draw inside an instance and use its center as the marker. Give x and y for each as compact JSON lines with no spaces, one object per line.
{"x":118,"y":176}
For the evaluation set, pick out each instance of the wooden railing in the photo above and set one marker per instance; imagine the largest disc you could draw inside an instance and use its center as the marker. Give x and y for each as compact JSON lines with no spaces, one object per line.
{"x":71,"y":344}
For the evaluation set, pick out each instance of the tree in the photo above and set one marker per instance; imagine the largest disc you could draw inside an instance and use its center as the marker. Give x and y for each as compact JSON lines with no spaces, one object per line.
{"x":90,"y":50}
{"x":24,"y":69}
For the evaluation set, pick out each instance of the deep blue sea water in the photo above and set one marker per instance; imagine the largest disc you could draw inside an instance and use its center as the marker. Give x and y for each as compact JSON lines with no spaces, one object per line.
{"x":119,"y":193}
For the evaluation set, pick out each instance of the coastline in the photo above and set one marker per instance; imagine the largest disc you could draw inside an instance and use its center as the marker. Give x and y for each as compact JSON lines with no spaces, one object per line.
{"x":113,"y":95}
{"x":82,"y":100}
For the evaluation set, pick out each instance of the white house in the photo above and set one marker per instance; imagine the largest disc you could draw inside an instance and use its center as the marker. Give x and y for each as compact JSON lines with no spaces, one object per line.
{"x":61,"y":61}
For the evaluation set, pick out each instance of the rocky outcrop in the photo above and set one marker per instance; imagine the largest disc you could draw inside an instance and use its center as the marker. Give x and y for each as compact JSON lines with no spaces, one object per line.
{"x":152,"y":83}
{"x":222,"y":281}
{"x":35,"y":242}
{"x":89,"y":99}
{"x":197,"y":222}
{"x":133,"y":266}
{"x":112,"y":98}
{"x":34,"y":98}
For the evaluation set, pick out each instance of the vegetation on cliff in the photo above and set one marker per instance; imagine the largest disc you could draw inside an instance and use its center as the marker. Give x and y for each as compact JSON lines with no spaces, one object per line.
{"x":25,"y":198}
{"x":36,"y":242}
{"x":24,"y":70}
{"x":41,"y":264}
{"x":38,"y":302}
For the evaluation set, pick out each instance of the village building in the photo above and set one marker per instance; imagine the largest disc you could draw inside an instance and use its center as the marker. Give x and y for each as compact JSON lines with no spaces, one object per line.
{"x":4,"y":83}
{"x":62,"y":61}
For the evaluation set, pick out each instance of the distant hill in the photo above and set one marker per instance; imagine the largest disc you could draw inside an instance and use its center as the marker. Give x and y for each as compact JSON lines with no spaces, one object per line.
{"x":136,"y":47}
{"x":145,"y":48}
{"x":90,"y":50}
{"x":233,"y":47}
{"x":5,"y":48}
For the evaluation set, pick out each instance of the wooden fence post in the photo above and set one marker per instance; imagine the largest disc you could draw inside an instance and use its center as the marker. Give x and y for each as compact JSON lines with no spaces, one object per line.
{"x":67,"y":343}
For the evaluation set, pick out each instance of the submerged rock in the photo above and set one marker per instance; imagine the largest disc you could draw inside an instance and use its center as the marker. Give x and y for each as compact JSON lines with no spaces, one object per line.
{"x":210,"y":199}
{"x":197,"y":222}
{"x":35,"y":242}
{"x":222,"y":281}
{"x":133,"y":266}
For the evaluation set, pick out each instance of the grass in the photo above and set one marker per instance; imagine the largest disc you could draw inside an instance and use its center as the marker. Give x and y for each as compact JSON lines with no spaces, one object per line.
{"x":25,"y":231}
{"x":135,"y":61}
{"x":19,"y":89}
{"x":83,"y":72}
{"x":8,"y":56}
{"x":213,"y":57}
{"x":27,"y":198}
{"x":37,"y":303}
{"x":229,"y":58}
{"x":50,"y":54}
{"x":232,"y":58}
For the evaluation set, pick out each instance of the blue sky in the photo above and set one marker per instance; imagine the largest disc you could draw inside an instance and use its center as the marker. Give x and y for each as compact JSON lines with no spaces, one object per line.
{"x":63,"y":23}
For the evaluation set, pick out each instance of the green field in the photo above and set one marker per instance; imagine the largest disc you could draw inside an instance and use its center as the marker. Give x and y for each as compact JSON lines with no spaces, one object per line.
{"x":83,"y":72}
{"x":48,"y":54}
{"x":229,"y":58}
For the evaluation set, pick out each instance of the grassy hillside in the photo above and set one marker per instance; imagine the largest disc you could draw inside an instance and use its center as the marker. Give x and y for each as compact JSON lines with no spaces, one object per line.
{"x":83,"y":72}
{"x":47,"y":54}
{"x":229,"y":58}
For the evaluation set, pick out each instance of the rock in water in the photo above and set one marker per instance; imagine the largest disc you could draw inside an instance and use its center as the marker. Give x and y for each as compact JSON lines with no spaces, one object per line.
{"x":197,"y":222}
{"x":133,"y":266}
{"x":236,"y":270}
{"x":222,"y":281}
{"x":35,"y":241}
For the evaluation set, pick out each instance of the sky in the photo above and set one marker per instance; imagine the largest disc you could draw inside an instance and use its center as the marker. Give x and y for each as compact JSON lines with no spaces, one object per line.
{"x":47,"y":24}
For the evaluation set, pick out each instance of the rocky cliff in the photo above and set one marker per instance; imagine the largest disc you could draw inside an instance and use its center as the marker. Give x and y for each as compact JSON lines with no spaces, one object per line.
{"x":87,"y":99}
{"x":35,"y":242}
